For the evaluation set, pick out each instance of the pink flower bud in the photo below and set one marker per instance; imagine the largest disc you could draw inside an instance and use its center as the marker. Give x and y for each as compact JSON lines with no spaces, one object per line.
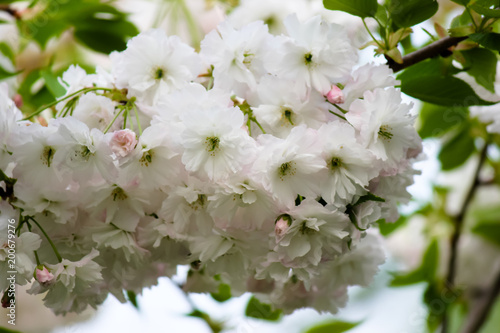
{"x":280,"y":228}
{"x":123,"y":142}
{"x":18,"y":100}
{"x":335,"y":95}
{"x":44,"y":277}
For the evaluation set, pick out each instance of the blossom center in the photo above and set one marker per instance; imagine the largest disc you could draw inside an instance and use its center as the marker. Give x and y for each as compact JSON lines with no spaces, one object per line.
{"x":47,"y":155}
{"x":247,"y":59}
{"x":119,"y":194}
{"x":287,"y":169}
{"x":308,"y":58}
{"x":384,"y":132}
{"x":159,"y":73}
{"x":146,"y":158}
{"x":199,"y":203}
{"x":287,"y":115}
{"x":82,"y":154}
{"x":304,"y":229}
{"x":335,"y":163}
{"x":212,"y":144}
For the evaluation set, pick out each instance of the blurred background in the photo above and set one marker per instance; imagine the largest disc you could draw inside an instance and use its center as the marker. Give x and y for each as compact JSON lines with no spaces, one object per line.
{"x":45,"y":42}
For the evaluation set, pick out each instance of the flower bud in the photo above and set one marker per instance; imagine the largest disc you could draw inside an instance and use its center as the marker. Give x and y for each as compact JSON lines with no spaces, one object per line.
{"x":281,"y":227}
{"x":43,"y":276}
{"x":123,"y":142}
{"x":335,"y":95}
{"x":18,"y":100}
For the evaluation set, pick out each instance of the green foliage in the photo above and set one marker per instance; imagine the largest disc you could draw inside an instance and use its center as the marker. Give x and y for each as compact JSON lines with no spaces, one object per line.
{"x":482,"y":65}
{"x":489,"y":40}
{"x":132,"y":298}
{"x":483,"y":7}
{"x":6,"y":330}
{"x":5,"y":74}
{"x":425,"y":273}
{"x":368,"y":197}
{"x":53,"y":85}
{"x":387,"y":228}
{"x":493,"y":321}
{"x":436,"y":120}
{"x":457,"y":149}
{"x":361,"y":8}
{"x":487,"y":223}
{"x":214,"y":325}
{"x":433,"y":298}
{"x":461,"y":2}
{"x":256,"y":309}
{"x":410,"y":12}
{"x":223,"y":294}
{"x":432,"y":81}
{"x":334,"y":326}
{"x":7,"y":51}
{"x":97,"y":25}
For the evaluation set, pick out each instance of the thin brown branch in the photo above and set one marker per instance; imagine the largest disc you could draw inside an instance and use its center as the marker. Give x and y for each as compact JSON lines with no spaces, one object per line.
{"x":438,"y":48}
{"x":459,"y":221}
{"x":479,"y":312}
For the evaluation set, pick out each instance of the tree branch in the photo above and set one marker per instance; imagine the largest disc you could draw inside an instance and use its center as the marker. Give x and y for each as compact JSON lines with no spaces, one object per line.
{"x":479,"y":312}
{"x":435,"y":49}
{"x":459,"y":220}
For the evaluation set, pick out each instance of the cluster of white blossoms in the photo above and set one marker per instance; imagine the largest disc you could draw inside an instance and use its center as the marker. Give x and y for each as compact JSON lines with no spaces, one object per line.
{"x":260,"y":161}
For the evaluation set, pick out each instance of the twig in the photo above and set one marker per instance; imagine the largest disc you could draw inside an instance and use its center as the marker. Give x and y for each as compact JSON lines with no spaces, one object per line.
{"x":437,"y":48}
{"x":479,"y":312}
{"x":459,"y":220}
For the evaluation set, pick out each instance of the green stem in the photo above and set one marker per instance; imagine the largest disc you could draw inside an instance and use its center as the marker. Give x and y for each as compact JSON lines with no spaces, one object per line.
{"x":59,"y":258}
{"x":125,"y":115}
{"x":36,"y":253}
{"x":137,"y":118}
{"x":85,"y":90}
{"x":341,"y":117}
{"x":258,"y":124}
{"x":370,"y":33}
{"x":249,"y":125}
{"x":192,"y":27}
{"x":339,"y":108}
{"x":113,"y":121}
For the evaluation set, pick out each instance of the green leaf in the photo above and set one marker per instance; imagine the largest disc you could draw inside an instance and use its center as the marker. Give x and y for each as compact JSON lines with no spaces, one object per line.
{"x":223,"y":294}
{"x":101,"y":41}
{"x":361,"y":8}
{"x":411,"y":12}
{"x":432,"y":293}
{"x":461,"y":2}
{"x":256,"y":309}
{"x":42,"y":33}
{"x":426,"y":271}
{"x":482,"y":65}
{"x":457,"y":150}
{"x":132,"y":297}
{"x":487,"y":223}
{"x":214,"y":325}
{"x":7,"y":180}
{"x":447,"y":90}
{"x":334,"y":326}
{"x":368,"y":197}
{"x":5,"y":74}
{"x":55,"y":88}
{"x":387,"y":228}
{"x":432,"y":81}
{"x":483,"y":7}
{"x":436,"y":120}
{"x":493,"y":321}
{"x":489,"y":40}
{"x":5,"y":330}
{"x":7,"y":51}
